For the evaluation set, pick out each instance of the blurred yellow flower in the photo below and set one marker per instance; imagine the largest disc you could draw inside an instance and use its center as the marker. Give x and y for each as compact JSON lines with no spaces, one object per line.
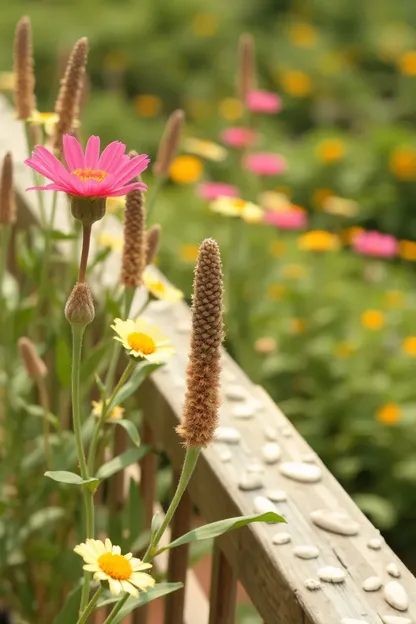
{"x":277,"y":248}
{"x":389,"y":414}
{"x":7,"y":81}
{"x":344,"y":349}
{"x":407,"y":63}
{"x":47,"y":120}
{"x":115,"y":60}
{"x":295,"y":82}
{"x":303,"y":35}
{"x":271,"y":200}
{"x":265,"y":345}
{"x":320,"y":195}
{"x":276,"y":291}
{"x":108,"y":240}
{"x":297,"y":326}
{"x":231,"y":109}
{"x":205,"y":24}
{"x":115,"y":204}
{"x":402,"y":162}
{"x":115,"y":414}
{"x":293,"y":271}
{"x":188,"y":253}
{"x":199,"y":108}
{"x":372,"y":319}
{"x":205,"y":149}
{"x":407,"y":250}
{"x":160,"y":290}
{"x":236,"y":207}
{"x":319,"y":240}
{"x":394,"y":298}
{"x":340,"y":206}
{"x":186,"y":169}
{"x":331,"y":150}
{"x":409,"y":345}
{"x":148,"y":105}
{"x":349,"y":234}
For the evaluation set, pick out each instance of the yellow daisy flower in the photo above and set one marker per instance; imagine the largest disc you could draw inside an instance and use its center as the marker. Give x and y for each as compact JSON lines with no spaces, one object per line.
{"x":104,"y":239}
{"x":124,"y":573}
{"x":205,"y":149}
{"x":159,"y":289}
{"x":235,"y":207}
{"x":115,"y":204}
{"x":143,"y":340}
{"x":115,"y":414}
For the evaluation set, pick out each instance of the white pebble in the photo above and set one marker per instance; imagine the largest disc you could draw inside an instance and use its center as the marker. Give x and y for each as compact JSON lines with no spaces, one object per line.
{"x":281,"y":538}
{"x":372,"y":583}
{"x":277,"y":496}
{"x":306,"y":473}
{"x":312,"y":584}
{"x":375,"y":543}
{"x":261,"y":505}
{"x":395,"y":595}
{"x":270,"y":433}
{"x":331,"y":574}
{"x":306,"y":552}
{"x":271,"y":452}
{"x":393,"y":570}
{"x":227,"y":434}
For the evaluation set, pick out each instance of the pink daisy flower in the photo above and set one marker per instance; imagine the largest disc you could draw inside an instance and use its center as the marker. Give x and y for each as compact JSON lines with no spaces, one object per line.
{"x":263,"y":102}
{"x":89,"y":174}
{"x":265,"y":163}
{"x":287,"y":219}
{"x":239,"y":137}
{"x":374,"y":243}
{"x":213,"y":190}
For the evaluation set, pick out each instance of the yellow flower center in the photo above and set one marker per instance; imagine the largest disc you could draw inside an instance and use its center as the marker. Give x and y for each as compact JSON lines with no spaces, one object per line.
{"x":115,"y":566}
{"x":90,"y":174}
{"x":142,"y":343}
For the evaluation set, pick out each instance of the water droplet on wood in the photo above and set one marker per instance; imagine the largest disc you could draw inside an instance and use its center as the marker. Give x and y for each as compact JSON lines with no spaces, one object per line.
{"x":235,"y":392}
{"x":395,"y":595}
{"x":250,"y":481}
{"x":309,"y":458}
{"x":261,"y":505}
{"x":281,"y":538}
{"x":258,"y":468}
{"x":305,"y":473}
{"x":271,"y":452}
{"x":270,"y":433}
{"x":227,"y":434}
{"x":277,"y":496}
{"x":286,"y":432}
{"x":243,"y":411}
{"x":395,"y":619}
{"x":353,"y":621}
{"x":228,"y":375}
{"x":306,"y":552}
{"x":375,"y":543}
{"x":334,"y":522}
{"x":372,"y":583}
{"x":226,"y":455}
{"x":393,"y":570}
{"x":331,"y":574}
{"x":312,"y":584}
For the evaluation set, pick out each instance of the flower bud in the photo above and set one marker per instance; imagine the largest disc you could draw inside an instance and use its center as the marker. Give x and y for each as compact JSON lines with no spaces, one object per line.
{"x":87,"y":209}
{"x":79,"y":309}
{"x":35,"y":366}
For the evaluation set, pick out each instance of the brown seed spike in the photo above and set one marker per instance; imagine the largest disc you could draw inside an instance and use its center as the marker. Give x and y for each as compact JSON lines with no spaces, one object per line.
{"x":68,"y":102}
{"x":152,"y":242}
{"x":134,"y":247}
{"x":7,"y":204}
{"x":202,"y":400}
{"x":24,"y":92}
{"x":246,"y":69}
{"x":169,"y":143}
{"x":35,"y":366}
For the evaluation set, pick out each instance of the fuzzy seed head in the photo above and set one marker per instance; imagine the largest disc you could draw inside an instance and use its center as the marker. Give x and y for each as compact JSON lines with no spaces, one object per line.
{"x":134,"y":246}
{"x":35,"y":366}
{"x":246,"y":68}
{"x":152,"y":242}
{"x":169,"y":143}
{"x":24,"y":92}
{"x":79,"y":309}
{"x":68,"y":102}
{"x":202,"y":400}
{"x":7,"y":203}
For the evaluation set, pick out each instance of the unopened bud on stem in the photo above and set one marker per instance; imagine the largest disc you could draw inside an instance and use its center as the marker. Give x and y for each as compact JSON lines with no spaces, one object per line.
{"x":7,"y":204}
{"x":169,"y":143}
{"x":152,"y":243}
{"x":24,"y":92}
{"x":79,"y":309}
{"x":35,"y":366}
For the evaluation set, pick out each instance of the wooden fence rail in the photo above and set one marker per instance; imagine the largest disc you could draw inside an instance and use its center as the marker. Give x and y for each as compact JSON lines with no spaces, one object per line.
{"x":327,"y":565}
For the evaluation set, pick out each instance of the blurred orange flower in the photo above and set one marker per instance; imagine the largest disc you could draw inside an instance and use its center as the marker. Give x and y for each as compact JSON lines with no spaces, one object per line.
{"x":148,"y":105}
{"x":407,"y":250}
{"x":277,"y":248}
{"x":265,"y":345}
{"x":320,"y":195}
{"x":231,"y":109}
{"x":389,"y":414}
{"x":188,"y":253}
{"x":295,"y":82}
{"x":293,"y":271}
{"x":297,"y":326}
{"x":303,"y":35}
{"x":402,"y":162}
{"x":319,"y":240}
{"x":372,"y":319}
{"x":349,"y":234}
{"x":407,"y":63}
{"x":331,"y":150}
{"x":186,"y":169}
{"x":409,"y":345}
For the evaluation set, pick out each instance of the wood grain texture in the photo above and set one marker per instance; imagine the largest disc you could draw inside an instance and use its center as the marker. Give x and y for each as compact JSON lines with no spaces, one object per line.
{"x":223,"y":589}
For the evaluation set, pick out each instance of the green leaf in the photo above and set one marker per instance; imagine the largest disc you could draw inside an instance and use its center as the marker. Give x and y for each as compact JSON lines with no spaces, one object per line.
{"x":142,"y":370}
{"x":215,"y":529}
{"x":69,"y":612}
{"x":159,"y":590}
{"x":130,"y":427}
{"x":380,"y":510}
{"x":59,"y":235}
{"x":63,"y":362}
{"x":122,"y":461}
{"x":64,"y":476}
{"x":40,"y":519}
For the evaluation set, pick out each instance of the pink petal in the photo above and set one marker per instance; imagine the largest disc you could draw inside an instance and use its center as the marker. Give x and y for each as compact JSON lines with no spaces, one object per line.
{"x":123,"y":190}
{"x":73,"y":153}
{"x":38,"y":166}
{"x":55,"y":166}
{"x":48,"y":187}
{"x":112,"y":153}
{"x":132,"y":169}
{"x":92,"y":152}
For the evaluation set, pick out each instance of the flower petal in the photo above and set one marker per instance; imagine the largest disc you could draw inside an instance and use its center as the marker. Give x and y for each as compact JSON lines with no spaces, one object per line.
{"x":115,"y":586}
{"x":129,"y":588}
{"x":112,"y":153}
{"x":92,"y":152}
{"x":73,"y":153}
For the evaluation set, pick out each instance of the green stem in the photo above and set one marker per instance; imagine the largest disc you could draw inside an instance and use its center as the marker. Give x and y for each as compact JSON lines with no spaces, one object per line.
{"x":4,"y":242}
{"x":191,"y":457}
{"x":150,"y":204}
{"x":36,"y":179}
{"x":106,"y":405}
{"x":48,"y":245}
{"x":90,"y":606}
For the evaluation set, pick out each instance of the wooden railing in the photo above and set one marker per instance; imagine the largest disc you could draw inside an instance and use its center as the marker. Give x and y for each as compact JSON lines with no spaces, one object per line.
{"x":290,"y":572}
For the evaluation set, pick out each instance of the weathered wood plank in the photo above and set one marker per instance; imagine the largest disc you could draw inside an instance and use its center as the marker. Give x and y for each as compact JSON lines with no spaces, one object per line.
{"x":223,"y":589}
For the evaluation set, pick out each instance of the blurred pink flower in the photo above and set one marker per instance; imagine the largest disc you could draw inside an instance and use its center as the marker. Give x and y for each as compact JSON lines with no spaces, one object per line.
{"x":263,"y":102}
{"x":212,"y":190}
{"x":375,"y":244}
{"x":89,"y":174}
{"x":265,"y":163}
{"x":287,"y":219}
{"x":239,"y":137}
